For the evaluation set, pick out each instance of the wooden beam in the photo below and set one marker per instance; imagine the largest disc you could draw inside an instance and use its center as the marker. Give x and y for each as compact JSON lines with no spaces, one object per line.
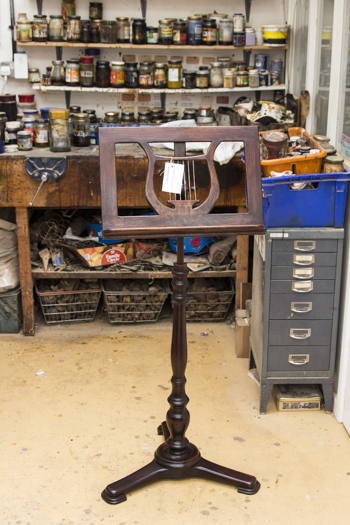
{"x":25,"y":270}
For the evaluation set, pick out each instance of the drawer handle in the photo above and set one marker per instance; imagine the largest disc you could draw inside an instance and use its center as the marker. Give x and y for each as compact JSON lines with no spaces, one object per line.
{"x":300,"y":333}
{"x":303,"y":286}
{"x":304,"y":246}
{"x":304,"y":260}
{"x":301,"y":308}
{"x":298,"y":359}
{"x":303,"y":273}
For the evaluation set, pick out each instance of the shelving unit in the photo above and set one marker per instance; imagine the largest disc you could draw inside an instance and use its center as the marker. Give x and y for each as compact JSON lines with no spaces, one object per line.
{"x":148,"y":46}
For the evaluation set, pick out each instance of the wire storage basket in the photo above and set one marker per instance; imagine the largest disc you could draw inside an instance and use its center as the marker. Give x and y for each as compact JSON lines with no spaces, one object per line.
{"x":69,"y":306}
{"x":134,"y":301}
{"x":209,"y":299}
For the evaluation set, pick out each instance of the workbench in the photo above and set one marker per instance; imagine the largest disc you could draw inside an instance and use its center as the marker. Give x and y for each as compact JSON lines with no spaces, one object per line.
{"x":79,"y":187}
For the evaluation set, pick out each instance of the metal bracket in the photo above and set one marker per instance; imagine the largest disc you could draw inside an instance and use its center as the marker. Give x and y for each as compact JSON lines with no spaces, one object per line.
{"x":54,"y":167}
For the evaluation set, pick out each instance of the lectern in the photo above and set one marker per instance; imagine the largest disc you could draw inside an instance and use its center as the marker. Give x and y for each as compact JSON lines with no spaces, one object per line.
{"x":178,"y":215}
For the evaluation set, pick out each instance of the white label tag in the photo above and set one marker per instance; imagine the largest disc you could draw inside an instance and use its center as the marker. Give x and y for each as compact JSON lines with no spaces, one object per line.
{"x":173,"y":177}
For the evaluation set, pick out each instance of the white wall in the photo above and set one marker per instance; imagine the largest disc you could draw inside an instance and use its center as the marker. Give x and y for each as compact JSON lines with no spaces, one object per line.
{"x":260,"y":14}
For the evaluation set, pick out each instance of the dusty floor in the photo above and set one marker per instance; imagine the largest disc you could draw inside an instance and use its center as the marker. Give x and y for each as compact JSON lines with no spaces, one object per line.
{"x":92,"y":417}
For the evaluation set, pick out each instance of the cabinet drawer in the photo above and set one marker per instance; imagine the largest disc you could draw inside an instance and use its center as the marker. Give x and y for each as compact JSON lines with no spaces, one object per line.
{"x":303,"y":259}
{"x":305,"y":245}
{"x":300,"y":288}
{"x":302,"y":273}
{"x":309,"y":306}
{"x":292,"y":359}
{"x":300,"y":333}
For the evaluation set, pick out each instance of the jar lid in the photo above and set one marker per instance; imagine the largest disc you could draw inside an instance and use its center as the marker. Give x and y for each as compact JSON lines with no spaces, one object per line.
{"x":80,"y":115}
{"x":224,"y":59}
{"x":117,"y":63}
{"x":249,"y":30}
{"x":112,"y":113}
{"x":229,"y":73}
{"x":242,"y":73}
{"x":24,"y":133}
{"x":59,"y":113}
{"x":73,"y":17}
{"x":157,"y":110}
{"x":86,"y":60}
{"x":322,"y":138}
{"x":165,"y":21}
{"x":274,"y":136}
{"x":86,"y":21}
{"x":75,"y":108}
{"x":96,"y":20}
{"x":105,"y":22}
{"x":131,"y":64}
{"x":122,"y":18}
{"x":253,"y":71}
{"x":189,"y":73}
{"x":204,"y":107}
{"x":144,"y":111}
{"x":56,"y":16}
{"x":7,"y":97}
{"x":196,"y":17}
{"x":90,"y":111}
{"x":40,"y":16}
{"x":11,"y":148}
{"x":57,"y":62}
{"x":174,"y":61}
{"x":295,"y":154}
{"x":334,"y":159}
{"x":160,"y":64}
{"x":20,"y":22}
{"x":128,"y":113}
{"x":202,"y":72}
{"x":73,"y":60}
{"x":216,"y":64}
{"x":40,"y":120}
{"x":190,"y":110}
{"x":13,"y":124}
{"x":95,"y":4}
{"x":147,"y":63}
{"x":28,"y":119}
{"x":33,"y":70}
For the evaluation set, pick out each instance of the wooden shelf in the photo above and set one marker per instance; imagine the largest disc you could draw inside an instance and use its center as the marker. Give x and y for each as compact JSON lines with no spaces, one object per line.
{"x":39,"y":273}
{"x":146,"y":46}
{"x":47,"y":89}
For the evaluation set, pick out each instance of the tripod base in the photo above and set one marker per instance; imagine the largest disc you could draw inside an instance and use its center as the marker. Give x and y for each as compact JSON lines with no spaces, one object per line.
{"x":190,"y":465}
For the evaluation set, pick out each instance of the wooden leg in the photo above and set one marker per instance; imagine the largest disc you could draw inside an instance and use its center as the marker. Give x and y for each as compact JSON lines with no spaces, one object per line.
{"x":25,"y":270}
{"x":242,"y":266}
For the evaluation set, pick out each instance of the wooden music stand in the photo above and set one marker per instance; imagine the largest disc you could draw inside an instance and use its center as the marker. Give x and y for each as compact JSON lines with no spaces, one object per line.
{"x":177,"y":458}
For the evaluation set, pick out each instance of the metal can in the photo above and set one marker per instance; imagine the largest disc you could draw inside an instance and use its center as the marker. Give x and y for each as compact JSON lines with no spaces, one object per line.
{"x":194,"y":30}
{"x":238,"y":39}
{"x":260,"y":61}
{"x":160,"y":75}
{"x":238,"y":23}
{"x":117,"y":74}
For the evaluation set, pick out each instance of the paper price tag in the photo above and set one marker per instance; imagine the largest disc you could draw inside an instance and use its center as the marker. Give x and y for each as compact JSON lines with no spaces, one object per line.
{"x":173,"y":177}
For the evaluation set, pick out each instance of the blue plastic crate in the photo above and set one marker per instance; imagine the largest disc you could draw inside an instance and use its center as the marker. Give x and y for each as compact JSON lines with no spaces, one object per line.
{"x":322,"y":206}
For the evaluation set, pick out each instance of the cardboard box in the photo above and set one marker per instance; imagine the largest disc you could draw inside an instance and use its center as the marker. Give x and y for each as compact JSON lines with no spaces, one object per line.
{"x":242,"y":334}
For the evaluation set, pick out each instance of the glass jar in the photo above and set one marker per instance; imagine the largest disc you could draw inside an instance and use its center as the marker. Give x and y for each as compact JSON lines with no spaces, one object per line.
{"x":238,"y":23}
{"x":24,"y":31}
{"x":174,"y":74}
{"x":3,"y":120}
{"x":180,"y":33}
{"x":229,"y":79}
{"x":46,"y":79}
{"x":111,"y":117}
{"x":225,"y":31}
{"x":123,"y":30}
{"x":29,"y":124}
{"x":202,"y":79}
{"x":160,"y":75}
{"x":169,"y":117}
{"x":189,"y":79}
{"x":242,"y":79}
{"x":68,"y":8}
{"x":108,"y":32}
{"x":139,"y":31}
{"x":73,"y":29}
{"x":117,"y":74}
{"x":333,"y":164}
{"x":127,"y":117}
{"x":85,"y":31}
{"x":189,"y":114}
{"x":216,"y":75}
{"x":253,"y":78}
{"x":11,"y":130}
{"x":274,"y":78}
{"x":58,"y":76}
{"x":131,"y":75}
{"x":95,"y":31}
{"x":33,"y":75}
{"x":96,"y":10}
{"x":226,"y":64}
{"x":94,"y":125}
{"x":194,"y":30}
{"x":86,"y":71}
{"x":22,"y":17}
{"x":59,"y":133}
{"x":81,"y":130}
{"x":73,"y":72}
{"x":41,"y":133}
{"x":8,"y":105}
{"x":40,"y":28}
{"x":240,"y":65}
{"x":144,"y":115}
{"x":157,"y":115}
{"x":209,"y":32}
{"x":165,"y":32}
{"x":146,"y":75}
{"x":152,"y":35}
{"x":56,"y":28}
{"x":24,"y":140}
{"x":103,"y":74}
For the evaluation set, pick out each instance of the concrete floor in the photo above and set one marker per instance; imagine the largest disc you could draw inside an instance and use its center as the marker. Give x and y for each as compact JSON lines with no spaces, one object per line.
{"x":91,"y":419}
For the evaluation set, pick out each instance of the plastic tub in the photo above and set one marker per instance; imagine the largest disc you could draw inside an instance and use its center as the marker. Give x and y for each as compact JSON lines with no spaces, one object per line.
{"x":322,"y":206}
{"x":309,"y":163}
{"x":192,"y":245}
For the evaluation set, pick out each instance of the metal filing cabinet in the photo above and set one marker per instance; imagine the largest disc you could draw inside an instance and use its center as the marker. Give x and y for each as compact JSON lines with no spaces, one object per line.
{"x":296,"y":286}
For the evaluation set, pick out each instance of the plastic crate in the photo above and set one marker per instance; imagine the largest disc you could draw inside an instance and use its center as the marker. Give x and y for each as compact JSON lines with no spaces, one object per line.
{"x":68,"y":307}
{"x":136,"y":306}
{"x":210,"y":305}
{"x":309,"y":163}
{"x":10,"y":311}
{"x":322,"y":206}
